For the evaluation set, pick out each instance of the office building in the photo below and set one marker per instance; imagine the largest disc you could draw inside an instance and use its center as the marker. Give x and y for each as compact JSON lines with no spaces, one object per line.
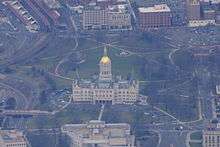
{"x":110,"y":17}
{"x":193,"y":10}
{"x":154,"y":17}
{"x":211,"y":136}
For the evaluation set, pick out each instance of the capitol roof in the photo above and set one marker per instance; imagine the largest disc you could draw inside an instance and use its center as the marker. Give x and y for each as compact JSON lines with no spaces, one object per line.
{"x":105,"y":60}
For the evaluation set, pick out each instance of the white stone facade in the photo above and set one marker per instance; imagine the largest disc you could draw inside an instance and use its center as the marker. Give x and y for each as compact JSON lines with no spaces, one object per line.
{"x":105,"y":89}
{"x":99,"y":134}
{"x":114,"y":18}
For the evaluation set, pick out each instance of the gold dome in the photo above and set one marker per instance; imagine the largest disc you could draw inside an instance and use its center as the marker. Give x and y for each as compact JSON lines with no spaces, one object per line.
{"x":105,"y":60}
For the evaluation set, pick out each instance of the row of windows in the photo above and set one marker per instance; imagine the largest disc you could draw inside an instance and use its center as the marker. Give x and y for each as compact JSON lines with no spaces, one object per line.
{"x":120,"y":17}
{"x":120,"y":27}
{"x":118,"y":100}
{"x":131,"y":99}
{"x":104,"y":91}
{"x":132,"y":95}
{"x":17,"y":145}
{"x":124,"y":97}
{"x":91,"y":92}
{"x":102,"y":20}
{"x":108,"y":95}
{"x":85,"y":99}
{"x":106,"y":72}
{"x":212,"y":138}
{"x":152,"y":26}
{"x":116,"y":26}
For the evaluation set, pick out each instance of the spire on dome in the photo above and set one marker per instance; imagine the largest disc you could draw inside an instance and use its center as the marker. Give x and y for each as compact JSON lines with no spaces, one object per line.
{"x":105,"y":59}
{"x":105,"y":51}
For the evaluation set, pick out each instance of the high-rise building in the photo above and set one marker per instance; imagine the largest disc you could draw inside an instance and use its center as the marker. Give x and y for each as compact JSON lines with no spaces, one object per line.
{"x":193,"y":10}
{"x":119,"y":20}
{"x":95,"y":19}
{"x":211,"y":136}
{"x":202,"y":12}
{"x":12,"y":138}
{"x":52,"y":3}
{"x":99,"y":134}
{"x":106,"y":88}
{"x":154,"y":17}
{"x":113,"y":17}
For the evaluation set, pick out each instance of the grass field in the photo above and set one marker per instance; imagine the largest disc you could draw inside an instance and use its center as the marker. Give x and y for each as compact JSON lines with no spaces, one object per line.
{"x":120,"y":65}
{"x":195,"y":144}
{"x":145,"y":54}
{"x":73,"y":114}
{"x":196,"y":135}
{"x":42,"y":139}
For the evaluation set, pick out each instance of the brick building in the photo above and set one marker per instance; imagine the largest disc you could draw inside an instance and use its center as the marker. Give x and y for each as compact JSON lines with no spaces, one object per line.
{"x":193,"y":10}
{"x":154,"y":17}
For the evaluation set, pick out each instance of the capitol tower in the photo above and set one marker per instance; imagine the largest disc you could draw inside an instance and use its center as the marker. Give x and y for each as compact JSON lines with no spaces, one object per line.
{"x":105,"y":67}
{"x":106,"y":88}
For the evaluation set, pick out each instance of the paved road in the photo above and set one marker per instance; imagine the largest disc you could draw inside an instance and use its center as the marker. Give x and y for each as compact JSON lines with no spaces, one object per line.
{"x":101,"y":112}
{"x":21,"y":99}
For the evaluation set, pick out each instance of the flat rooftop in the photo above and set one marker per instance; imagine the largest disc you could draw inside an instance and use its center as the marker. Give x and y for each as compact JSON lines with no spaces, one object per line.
{"x":117,"y":128}
{"x":155,"y":8}
{"x":110,"y":8}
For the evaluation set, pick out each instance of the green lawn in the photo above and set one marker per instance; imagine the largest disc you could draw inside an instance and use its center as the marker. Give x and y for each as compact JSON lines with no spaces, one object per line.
{"x":195,"y":144}
{"x":120,"y":65}
{"x":131,"y":114}
{"x":58,"y":47}
{"x":73,"y":114}
{"x":196,"y":135}
{"x":47,"y":140}
{"x":143,"y":42}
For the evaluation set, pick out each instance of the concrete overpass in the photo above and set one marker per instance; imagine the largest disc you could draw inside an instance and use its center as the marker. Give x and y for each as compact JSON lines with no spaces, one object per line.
{"x":24,"y":113}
